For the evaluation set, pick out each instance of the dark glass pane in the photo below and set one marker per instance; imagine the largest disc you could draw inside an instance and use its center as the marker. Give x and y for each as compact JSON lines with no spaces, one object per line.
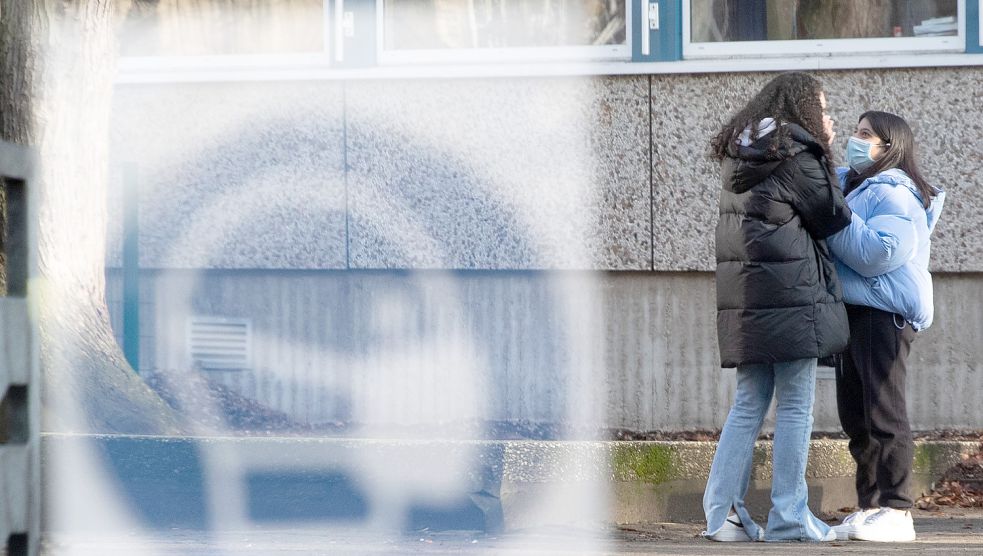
{"x":755,"y":20}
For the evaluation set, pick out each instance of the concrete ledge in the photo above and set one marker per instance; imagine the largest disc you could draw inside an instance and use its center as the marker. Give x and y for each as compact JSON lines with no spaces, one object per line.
{"x":170,"y":482}
{"x":661,"y":461}
{"x":657,"y":481}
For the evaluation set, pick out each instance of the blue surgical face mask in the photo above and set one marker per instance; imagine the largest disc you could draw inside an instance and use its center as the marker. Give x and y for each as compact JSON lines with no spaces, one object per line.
{"x":858,"y":153}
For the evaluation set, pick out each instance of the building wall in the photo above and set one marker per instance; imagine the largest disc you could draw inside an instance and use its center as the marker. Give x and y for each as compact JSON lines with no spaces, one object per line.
{"x":574,"y":219}
{"x":383,"y":347}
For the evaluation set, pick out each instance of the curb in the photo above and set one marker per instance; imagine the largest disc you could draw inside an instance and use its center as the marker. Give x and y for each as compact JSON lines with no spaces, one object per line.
{"x":663,"y":481}
{"x":660,"y":461}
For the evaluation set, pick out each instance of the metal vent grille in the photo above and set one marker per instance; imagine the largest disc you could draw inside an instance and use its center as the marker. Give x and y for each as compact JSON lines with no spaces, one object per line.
{"x":218,"y":343}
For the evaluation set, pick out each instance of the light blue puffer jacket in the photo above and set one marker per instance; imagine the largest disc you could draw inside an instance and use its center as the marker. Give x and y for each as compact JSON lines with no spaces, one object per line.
{"x":882,"y":256}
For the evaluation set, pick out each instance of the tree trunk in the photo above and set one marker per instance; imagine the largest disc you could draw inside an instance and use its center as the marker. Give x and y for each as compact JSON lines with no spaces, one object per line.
{"x":56,"y":78}
{"x":832,"y":19}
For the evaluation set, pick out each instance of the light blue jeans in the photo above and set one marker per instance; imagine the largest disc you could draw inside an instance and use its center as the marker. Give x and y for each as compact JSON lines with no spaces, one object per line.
{"x":794,"y":386}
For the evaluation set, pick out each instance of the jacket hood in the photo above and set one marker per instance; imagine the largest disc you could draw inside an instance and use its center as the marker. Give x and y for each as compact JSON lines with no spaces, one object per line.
{"x":898,"y":178}
{"x":753,"y":161}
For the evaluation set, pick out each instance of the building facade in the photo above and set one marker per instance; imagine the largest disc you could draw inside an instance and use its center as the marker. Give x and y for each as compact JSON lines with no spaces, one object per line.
{"x":470,"y":215}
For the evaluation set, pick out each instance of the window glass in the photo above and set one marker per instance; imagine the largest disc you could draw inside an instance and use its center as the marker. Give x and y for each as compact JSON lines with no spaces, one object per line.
{"x":759,"y":20}
{"x":474,"y":24}
{"x":211,"y":27}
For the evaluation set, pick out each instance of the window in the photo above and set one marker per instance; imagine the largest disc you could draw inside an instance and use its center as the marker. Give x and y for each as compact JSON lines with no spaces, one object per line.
{"x":715,"y":28}
{"x":421,"y":31}
{"x":216,"y":40}
{"x":155,"y":28}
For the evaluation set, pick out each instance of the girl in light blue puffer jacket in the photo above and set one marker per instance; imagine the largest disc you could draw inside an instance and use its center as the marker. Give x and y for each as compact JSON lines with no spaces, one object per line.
{"x":882,"y":261}
{"x":882,"y":258}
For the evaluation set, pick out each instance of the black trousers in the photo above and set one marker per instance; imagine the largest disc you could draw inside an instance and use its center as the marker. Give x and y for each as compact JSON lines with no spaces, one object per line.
{"x":870,"y":399}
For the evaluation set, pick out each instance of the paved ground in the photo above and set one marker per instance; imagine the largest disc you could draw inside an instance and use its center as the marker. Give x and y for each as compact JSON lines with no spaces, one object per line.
{"x":953,"y":532}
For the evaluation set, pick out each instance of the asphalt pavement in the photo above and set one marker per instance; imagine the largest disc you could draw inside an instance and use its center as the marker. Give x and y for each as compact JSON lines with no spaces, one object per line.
{"x":953,"y":531}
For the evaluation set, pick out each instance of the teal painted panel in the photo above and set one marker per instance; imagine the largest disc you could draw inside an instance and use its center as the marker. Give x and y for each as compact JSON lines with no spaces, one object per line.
{"x":358,"y":30}
{"x":974,"y":44}
{"x":666,"y":43}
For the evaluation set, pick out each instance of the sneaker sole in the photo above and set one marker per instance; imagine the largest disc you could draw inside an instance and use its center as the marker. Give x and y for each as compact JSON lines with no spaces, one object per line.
{"x":862,"y":536}
{"x":729,"y":537}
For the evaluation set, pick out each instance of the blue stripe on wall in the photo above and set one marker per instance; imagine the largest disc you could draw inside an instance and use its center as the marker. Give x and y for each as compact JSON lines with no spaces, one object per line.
{"x":973,"y":43}
{"x":666,"y":44}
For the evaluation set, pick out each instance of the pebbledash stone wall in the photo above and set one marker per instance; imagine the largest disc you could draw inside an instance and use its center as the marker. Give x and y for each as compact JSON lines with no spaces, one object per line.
{"x":550,"y":238}
{"x":941,"y":105}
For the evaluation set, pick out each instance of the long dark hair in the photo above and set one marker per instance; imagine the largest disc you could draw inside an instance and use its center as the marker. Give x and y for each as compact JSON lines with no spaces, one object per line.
{"x":900,"y":153}
{"x":790,"y":98}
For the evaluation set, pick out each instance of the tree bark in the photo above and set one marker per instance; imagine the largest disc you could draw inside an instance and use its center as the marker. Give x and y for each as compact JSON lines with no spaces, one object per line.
{"x":832,"y":19}
{"x":56,"y":79}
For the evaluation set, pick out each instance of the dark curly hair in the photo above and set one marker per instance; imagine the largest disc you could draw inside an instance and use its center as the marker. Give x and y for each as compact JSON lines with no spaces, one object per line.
{"x":790,"y":98}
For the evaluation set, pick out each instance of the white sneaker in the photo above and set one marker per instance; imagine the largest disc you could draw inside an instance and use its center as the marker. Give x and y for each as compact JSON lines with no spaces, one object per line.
{"x":887,"y":525}
{"x":850,"y":523}
{"x":732,"y":531}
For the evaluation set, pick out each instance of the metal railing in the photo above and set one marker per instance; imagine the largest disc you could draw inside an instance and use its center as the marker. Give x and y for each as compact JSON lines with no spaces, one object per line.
{"x":20,"y":412}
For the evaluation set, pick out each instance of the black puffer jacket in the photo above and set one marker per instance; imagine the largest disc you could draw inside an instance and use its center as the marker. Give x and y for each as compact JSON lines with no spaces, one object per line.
{"x":778,"y":296}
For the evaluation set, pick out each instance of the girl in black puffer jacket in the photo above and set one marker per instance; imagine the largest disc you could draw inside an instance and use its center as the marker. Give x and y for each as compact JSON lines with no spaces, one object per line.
{"x":779,"y":306}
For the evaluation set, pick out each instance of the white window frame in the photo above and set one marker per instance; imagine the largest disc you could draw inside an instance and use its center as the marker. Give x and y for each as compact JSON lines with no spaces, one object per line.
{"x":824,"y":47}
{"x":399,"y":57}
